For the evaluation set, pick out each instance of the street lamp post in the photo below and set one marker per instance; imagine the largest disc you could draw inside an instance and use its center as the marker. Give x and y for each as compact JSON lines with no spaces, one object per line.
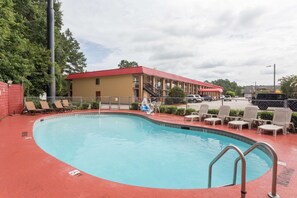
{"x":273,"y":76}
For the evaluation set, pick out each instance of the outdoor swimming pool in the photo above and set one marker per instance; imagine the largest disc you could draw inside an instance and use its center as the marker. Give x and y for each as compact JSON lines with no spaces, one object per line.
{"x":132,"y":150}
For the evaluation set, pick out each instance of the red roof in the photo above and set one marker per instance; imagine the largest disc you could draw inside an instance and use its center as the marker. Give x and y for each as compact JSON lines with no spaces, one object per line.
{"x":138,"y":70}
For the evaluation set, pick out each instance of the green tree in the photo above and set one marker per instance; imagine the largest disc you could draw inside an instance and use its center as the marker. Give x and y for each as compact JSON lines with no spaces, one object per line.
{"x":230,"y":93}
{"x":23,"y":46}
{"x":68,"y":55}
{"x":176,"y":96}
{"x":228,"y":86}
{"x":126,"y":64}
{"x":289,"y":85}
{"x":15,"y":62}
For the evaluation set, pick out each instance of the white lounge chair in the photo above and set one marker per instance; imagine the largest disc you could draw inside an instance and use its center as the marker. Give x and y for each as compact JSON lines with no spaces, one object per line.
{"x":198,"y":114}
{"x":250,"y":113}
{"x":224,"y":111}
{"x":281,"y":121}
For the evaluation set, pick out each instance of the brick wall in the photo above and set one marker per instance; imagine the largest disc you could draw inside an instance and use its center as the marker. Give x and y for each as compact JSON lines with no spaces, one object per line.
{"x":15,"y":99}
{"x":3,"y":99}
{"x":11,"y":99}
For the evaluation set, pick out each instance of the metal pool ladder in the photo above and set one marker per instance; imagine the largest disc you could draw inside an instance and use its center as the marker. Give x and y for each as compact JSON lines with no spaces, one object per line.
{"x":241,"y":157}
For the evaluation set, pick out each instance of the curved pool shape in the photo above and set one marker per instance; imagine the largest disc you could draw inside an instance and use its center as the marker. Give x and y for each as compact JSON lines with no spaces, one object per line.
{"x":133,"y":150}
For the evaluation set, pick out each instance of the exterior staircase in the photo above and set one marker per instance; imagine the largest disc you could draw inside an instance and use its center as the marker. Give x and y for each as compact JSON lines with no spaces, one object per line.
{"x":151,"y":90}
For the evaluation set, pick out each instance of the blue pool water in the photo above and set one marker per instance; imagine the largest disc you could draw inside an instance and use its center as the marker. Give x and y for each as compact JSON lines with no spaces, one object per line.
{"x":132,"y":150}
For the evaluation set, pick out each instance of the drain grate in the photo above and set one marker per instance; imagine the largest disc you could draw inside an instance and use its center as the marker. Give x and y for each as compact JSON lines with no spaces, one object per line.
{"x":24,"y":134}
{"x":285,"y":176}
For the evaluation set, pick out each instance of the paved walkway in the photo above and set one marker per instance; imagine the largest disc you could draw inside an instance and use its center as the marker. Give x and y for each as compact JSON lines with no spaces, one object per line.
{"x":28,"y":172}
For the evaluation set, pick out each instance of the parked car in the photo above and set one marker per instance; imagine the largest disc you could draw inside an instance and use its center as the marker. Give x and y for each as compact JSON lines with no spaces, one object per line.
{"x":227,"y":98}
{"x":192,"y":98}
{"x":207,"y":98}
{"x":265,"y":100}
{"x":198,"y":96}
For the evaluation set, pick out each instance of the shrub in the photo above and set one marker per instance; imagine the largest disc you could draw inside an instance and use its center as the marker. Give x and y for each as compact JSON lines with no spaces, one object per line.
{"x":177,"y":95}
{"x":36,"y":103}
{"x":163,"y":109}
{"x":240,"y":112}
{"x":85,"y":106}
{"x":134,"y":106}
{"x":234,"y":112}
{"x":213,"y":111}
{"x":180,"y":111}
{"x":294,"y":120}
{"x":169,"y":101}
{"x":171,"y":110}
{"x":265,"y":115}
{"x":189,"y":111}
{"x":95,"y":105}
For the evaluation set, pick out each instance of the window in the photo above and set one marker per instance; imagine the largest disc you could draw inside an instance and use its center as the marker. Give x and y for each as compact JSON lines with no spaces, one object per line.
{"x":97,"y":81}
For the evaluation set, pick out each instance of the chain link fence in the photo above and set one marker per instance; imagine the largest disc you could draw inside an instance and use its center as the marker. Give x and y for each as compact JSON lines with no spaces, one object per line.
{"x":120,"y":102}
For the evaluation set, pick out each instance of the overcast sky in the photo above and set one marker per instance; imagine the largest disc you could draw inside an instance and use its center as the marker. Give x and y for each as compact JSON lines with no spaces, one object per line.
{"x":198,"y":39}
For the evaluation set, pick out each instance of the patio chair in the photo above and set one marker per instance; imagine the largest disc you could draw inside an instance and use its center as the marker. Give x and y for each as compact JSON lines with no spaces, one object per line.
{"x":66,"y":104}
{"x":224,"y":111}
{"x":45,"y":106}
{"x":30,"y":106}
{"x":157,"y":106}
{"x":250,"y":113}
{"x":59,"y":107}
{"x":198,"y":114}
{"x":281,"y":121}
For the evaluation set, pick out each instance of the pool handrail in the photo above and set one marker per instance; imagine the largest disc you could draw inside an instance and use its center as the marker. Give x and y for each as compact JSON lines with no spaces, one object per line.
{"x":272,"y":152}
{"x":243,"y":167}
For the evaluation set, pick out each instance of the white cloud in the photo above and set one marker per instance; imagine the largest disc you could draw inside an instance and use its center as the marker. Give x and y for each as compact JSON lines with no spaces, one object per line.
{"x":204,"y":40}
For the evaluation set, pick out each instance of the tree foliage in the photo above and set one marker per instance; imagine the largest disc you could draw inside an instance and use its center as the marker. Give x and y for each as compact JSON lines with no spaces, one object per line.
{"x":289,"y":85}
{"x":23,"y":46}
{"x":230,"y":93}
{"x":126,"y":64}
{"x":176,"y":92}
{"x":228,"y":86}
{"x":176,"y":95}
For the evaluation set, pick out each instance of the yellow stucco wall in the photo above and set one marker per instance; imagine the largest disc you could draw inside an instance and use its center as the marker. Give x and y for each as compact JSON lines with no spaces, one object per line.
{"x":109,"y":86}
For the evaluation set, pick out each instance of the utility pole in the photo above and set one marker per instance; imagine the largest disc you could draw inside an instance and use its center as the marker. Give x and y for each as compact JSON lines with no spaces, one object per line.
{"x":274,"y":71}
{"x":274,"y":78}
{"x":51,"y":47}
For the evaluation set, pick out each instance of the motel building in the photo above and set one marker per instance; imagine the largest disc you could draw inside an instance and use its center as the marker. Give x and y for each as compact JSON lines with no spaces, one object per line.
{"x":132,"y":84}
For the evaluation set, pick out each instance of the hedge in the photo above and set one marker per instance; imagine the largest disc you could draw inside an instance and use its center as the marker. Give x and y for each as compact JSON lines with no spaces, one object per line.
{"x":95,"y":105}
{"x":84,"y":106}
{"x":134,"y":106}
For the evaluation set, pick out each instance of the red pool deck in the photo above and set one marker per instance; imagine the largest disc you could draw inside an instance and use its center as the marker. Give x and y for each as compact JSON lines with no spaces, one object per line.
{"x":27,"y":171}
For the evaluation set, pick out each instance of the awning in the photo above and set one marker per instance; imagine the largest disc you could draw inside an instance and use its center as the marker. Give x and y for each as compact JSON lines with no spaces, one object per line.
{"x":212,"y":90}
